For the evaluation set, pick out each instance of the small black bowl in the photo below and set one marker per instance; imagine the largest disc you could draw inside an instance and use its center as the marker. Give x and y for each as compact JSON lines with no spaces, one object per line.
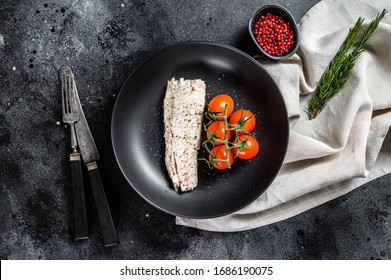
{"x":287,"y":16}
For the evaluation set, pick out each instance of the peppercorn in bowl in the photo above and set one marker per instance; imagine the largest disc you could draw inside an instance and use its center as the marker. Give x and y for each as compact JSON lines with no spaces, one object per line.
{"x":274,"y":31}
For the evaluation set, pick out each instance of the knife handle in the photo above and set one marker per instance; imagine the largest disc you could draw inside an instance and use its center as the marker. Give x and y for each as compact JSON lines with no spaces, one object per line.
{"x":79,"y":203}
{"x":106,"y":222}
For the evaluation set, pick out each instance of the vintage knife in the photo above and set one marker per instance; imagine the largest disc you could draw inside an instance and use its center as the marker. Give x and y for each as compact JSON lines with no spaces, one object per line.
{"x":90,"y":156}
{"x":71,"y":116}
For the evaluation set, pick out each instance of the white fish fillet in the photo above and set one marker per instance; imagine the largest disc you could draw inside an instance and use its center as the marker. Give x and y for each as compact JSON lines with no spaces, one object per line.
{"x":184,"y":104}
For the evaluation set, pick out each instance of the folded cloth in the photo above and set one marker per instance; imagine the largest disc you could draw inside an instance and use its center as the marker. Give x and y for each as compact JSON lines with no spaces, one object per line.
{"x":348,"y":144}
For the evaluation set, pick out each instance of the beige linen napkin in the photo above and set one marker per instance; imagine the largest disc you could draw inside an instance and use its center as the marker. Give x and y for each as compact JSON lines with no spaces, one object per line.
{"x":347,"y":144}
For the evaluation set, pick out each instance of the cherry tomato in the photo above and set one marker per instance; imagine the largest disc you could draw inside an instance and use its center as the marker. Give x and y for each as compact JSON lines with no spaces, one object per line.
{"x":250,"y":147}
{"x":244,"y":120}
{"x":220,"y":153}
{"x":218,"y":103}
{"x":217,"y":134}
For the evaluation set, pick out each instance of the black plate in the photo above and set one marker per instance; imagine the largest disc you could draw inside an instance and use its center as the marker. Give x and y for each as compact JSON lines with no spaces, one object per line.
{"x":137,"y":129}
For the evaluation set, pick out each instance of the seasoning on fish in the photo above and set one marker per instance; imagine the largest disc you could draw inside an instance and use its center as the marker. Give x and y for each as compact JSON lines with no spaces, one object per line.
{"x":184,"y":104}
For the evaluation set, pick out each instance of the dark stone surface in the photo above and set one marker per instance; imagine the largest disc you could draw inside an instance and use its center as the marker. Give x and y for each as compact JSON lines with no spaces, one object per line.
{"x":103,"y":41}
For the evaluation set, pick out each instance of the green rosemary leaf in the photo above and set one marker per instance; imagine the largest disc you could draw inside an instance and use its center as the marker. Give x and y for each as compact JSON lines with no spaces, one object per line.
{"x":336,"y":74}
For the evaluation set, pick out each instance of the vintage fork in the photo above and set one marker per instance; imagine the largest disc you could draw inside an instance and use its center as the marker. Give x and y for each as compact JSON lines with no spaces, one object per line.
{"x":70,"y":115}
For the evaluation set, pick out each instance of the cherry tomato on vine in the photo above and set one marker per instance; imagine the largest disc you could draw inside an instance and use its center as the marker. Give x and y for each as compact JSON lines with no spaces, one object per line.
{"x":244,"y":120}
{"x":218,"y":103}
{"x":216,"y":133}
{"x":220,"y":153}
{"x":249,"y":149}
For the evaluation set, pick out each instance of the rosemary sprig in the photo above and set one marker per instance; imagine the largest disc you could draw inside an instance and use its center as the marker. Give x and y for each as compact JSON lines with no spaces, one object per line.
{"x":336,"y":75}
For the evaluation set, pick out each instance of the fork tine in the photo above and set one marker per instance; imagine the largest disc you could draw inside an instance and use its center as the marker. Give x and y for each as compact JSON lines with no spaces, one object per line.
{"x":67,"y":93}
{"x":62,"y":94}
{"x":72,"y":93}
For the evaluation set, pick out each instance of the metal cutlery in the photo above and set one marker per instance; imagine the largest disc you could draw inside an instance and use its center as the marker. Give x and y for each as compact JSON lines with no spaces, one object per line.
{"x":70,"y":114}
{"x":90,"y":156}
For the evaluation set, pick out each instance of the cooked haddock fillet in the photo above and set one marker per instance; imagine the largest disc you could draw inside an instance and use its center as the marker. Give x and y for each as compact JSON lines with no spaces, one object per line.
{"x":183,"y":112}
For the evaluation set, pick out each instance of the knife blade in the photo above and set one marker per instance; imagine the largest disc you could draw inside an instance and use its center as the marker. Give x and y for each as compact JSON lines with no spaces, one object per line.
{"x":90,"y":156}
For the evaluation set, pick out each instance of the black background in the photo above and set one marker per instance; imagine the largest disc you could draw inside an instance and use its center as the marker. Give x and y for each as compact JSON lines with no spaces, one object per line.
{"x":103,"y":41}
